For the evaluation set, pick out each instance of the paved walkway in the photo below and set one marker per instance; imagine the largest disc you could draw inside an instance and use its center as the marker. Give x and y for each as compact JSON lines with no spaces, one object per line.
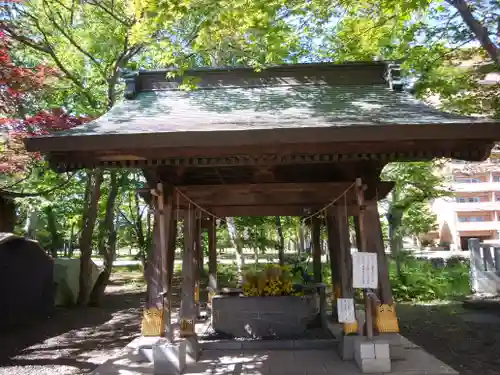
{"x":280,"y":362}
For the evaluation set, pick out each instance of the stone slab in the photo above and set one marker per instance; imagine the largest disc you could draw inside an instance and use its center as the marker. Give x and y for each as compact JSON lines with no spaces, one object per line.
{"x":314,"y":344}
{"x":280,"y":362}
{"x":267,"y":344}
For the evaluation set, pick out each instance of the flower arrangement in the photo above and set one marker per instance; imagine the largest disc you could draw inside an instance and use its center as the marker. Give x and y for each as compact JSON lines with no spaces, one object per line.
{"x":274,"y":280}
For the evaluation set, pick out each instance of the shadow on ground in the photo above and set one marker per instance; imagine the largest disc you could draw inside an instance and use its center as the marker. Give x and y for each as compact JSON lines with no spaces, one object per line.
{"x":470,"y":346}
{"x":73,"y":340}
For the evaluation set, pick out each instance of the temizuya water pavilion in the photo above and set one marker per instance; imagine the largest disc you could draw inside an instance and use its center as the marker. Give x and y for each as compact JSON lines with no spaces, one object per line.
{"x":283,"y":141}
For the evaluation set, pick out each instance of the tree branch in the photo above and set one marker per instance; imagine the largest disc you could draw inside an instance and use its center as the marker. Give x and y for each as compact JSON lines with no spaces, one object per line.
{"x":71,"y":40}
{"x":98,"y":3}
{"x":479,"y":31}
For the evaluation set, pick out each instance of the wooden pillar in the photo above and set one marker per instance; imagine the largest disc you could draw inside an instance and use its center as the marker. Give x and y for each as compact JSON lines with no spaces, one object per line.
{"x":316,"y":248}
{"x":196,"y":262}
{"x":171,"y":244}
{"x":188,"y":312}
{"x":212,"y":259}
{"x":385,"y":313}
{"x":156,"y":320}
{"x":334,"y":255}
{"x":362,"y":246}
{"x":345,"y":261}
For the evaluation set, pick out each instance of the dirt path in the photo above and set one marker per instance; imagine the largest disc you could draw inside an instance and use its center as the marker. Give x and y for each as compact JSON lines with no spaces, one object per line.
{"x":75,"y":341}
{"x":467,"y":340}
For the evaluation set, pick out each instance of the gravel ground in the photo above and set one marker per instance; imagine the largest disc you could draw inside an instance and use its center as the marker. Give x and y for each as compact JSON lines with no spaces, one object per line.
{"x":77,"y":340}
{"x":467,"y":340}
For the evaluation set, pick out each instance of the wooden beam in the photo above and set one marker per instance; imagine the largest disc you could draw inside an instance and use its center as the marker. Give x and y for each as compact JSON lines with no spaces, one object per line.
{"x":266,"y":210}
{"x":306,"y":194}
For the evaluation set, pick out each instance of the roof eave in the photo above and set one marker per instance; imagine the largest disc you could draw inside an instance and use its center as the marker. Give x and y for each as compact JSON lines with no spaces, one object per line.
{"x":487,"y":130}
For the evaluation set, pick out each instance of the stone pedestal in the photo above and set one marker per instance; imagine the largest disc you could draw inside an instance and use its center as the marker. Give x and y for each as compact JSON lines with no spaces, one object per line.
{"x":193,"y":349}
{"x":346,"y":347}
{"x":396,"y":347}
{"x":144,"y":347}
{"x":372,"y":356}
{"x":169,"y":358}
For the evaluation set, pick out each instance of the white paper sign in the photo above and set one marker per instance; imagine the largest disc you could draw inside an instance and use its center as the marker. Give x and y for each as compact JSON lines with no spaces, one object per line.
{"x":364,"y":270}
{"x":345,"y":310}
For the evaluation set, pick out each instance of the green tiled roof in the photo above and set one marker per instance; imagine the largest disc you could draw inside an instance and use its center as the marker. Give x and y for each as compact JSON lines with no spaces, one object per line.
{"x":264,"y":108}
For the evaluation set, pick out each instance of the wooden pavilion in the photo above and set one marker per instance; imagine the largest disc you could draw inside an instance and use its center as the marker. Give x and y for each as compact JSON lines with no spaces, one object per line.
{"x":283,"y":141}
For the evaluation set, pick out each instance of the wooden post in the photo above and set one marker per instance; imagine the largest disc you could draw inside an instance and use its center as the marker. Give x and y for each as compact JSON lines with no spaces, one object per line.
{"x":188,"y":313}
{"x":171,"y":234}
{"x":345,"y":261}
{"x":362,"y":247}
{"x":156,"y":321}
{"x":334,"y":255}
{"x":385,"y":314}
{"x":212,"y":259}
{"x":316,"y":248}
{"x":196,"y":262}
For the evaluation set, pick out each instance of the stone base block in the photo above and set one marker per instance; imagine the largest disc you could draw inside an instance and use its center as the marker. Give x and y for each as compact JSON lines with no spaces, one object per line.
{"x":193,"y":349}
{"x":169,"y":358}
{"x":346,"y":347}
{"x":144,"y":347}
{"x":396,"y":347}
{"x":372,"y":356}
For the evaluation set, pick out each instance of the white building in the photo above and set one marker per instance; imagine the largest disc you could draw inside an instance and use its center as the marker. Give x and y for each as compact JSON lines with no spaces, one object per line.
{"x":474,"y":209}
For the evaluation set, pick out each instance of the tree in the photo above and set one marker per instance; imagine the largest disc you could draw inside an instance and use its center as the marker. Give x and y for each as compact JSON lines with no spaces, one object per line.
{"x":481,"y":30}
{"x":88,"y":43}
{"x":418,"y":220}
{"x":415,"y":184}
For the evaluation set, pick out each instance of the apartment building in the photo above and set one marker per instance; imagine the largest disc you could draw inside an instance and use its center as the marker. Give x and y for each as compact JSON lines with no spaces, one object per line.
{"x":473,"y":211}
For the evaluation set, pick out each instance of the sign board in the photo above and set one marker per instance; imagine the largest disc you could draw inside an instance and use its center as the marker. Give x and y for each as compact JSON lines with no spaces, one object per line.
{"x":345,"y":310}
{"x":364,"y":270}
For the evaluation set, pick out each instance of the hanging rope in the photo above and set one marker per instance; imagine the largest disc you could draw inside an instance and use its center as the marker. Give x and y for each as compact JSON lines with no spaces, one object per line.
{"x":343,"y":194}
{"x":328,"y":205}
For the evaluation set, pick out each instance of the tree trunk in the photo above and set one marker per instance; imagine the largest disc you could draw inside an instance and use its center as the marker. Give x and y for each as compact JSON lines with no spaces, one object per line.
{"x":281,"y":239}
{"x":301,"y":238}
{"x":54,"y":234}
{"x":71,"y":241}
{"x":316,"y":249}
{"x":107,"y":242}
{"x":395,"y":237}
{"x":235,"y":238}
{"x":480,"y":32}
{"x":31,"y":225}
{"x":212,"y":257}
{"x":7,"y":214}
{"x":93,"y":193}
